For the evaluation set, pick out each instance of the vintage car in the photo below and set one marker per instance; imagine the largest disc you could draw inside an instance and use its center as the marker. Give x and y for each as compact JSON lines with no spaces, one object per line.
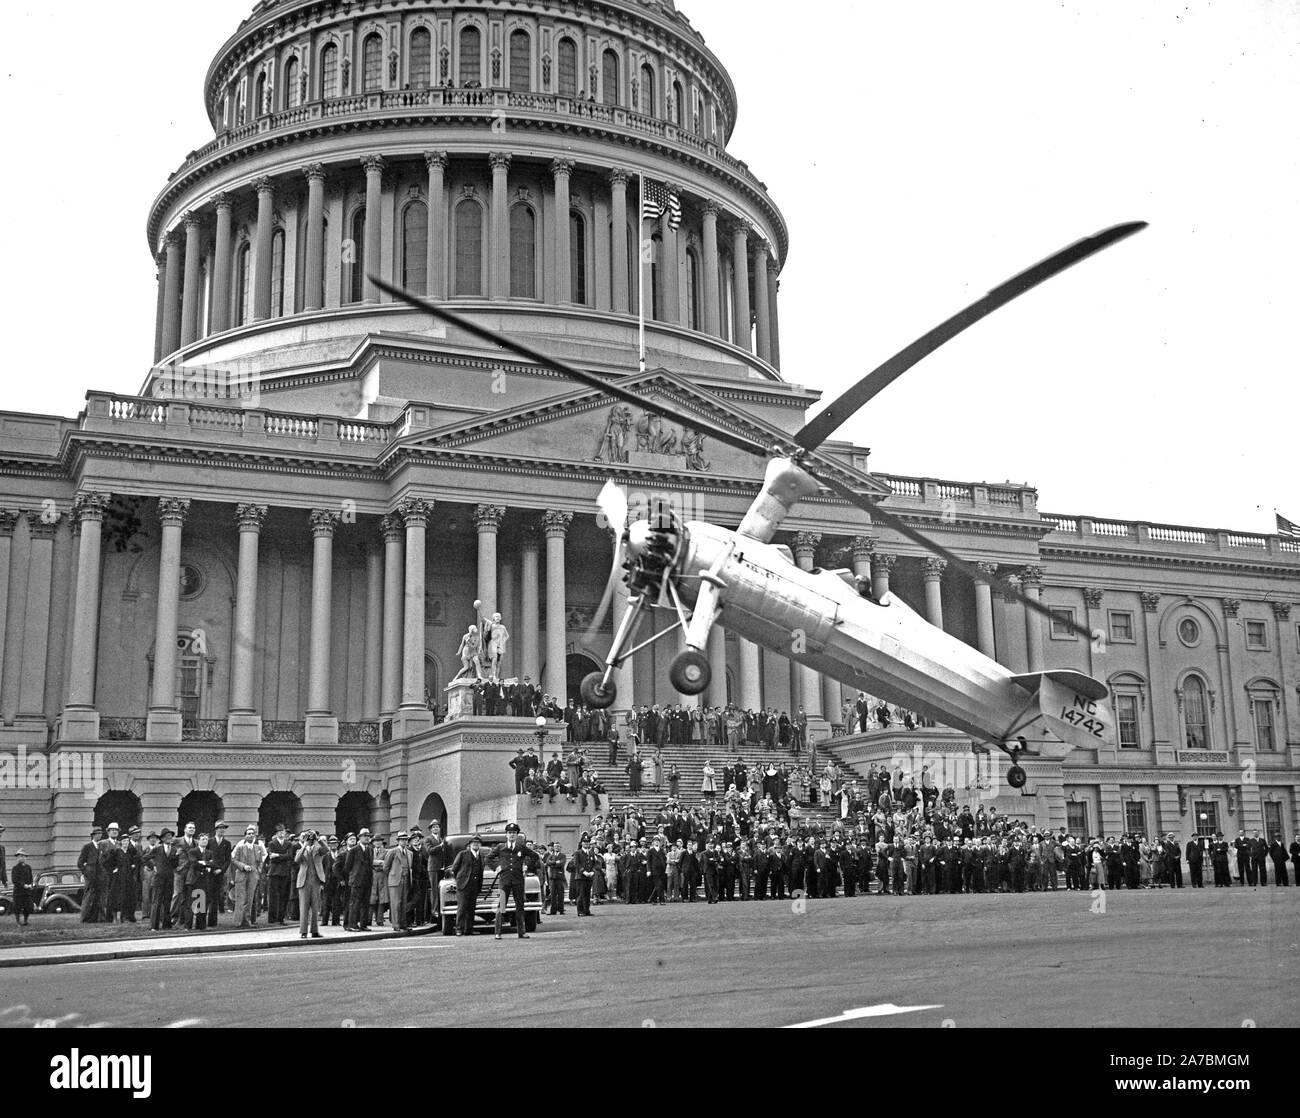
{"x":58,"y":890}
{"x":485,"y":911}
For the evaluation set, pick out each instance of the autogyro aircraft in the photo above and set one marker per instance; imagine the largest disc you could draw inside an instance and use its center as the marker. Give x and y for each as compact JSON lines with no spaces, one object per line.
{"x":708,"y":575}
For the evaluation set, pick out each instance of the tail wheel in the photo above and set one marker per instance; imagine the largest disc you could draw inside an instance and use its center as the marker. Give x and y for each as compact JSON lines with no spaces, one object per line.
{"x":689,"y":672}
{"x":597,"y":694}
{"x":1016,"y":776}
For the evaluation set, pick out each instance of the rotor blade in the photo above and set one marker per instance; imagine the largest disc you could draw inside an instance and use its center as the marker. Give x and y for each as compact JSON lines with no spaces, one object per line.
{"x":613,"y":506}
{"x":639,"y":400}
{"x":612,"y":585}
{"x":820,"y":429}
{"x":970,"y":570}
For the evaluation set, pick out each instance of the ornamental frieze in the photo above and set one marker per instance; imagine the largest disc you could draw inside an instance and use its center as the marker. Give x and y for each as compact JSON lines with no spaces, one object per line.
{"x":650,"y":441}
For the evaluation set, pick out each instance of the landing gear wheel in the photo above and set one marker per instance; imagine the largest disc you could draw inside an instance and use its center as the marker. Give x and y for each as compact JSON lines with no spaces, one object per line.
{"x":595,"y":693}
{"x":1016,"y":776}
{"x":689,"y":672}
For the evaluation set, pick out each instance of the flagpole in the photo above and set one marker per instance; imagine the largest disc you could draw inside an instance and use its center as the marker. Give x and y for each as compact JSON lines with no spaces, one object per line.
{"x":640,"y":271}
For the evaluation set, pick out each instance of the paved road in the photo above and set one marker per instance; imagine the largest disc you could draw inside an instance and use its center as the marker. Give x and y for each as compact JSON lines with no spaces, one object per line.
{"x":1208,"y":958}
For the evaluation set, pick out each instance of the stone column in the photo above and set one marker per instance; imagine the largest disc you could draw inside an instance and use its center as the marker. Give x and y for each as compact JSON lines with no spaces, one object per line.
{"x":505,"y":605}
{"x":556,"y":527}
{"x":371,"y":681}
{"x":712,"y":296}
{"x":487,"y":519}
{"x":223,"y":257}
{"x":863,"y":548}
{"x":670,"y":266}
{"x":8,"y":522}
{"x":561,"y":170}
{"x":80,"y":719}
{"x":244,"y":723}
{"x":313,"y":298}
{"x":740,"y":281}
{"x":810,"y":690}
{"x":161,"y":261}
{"x":1031,"y":582}
{"x":374,"y":165}
{"x":1094,"y":622}
{"x":436,"y":161}
{"x":499,"y":271}
{"x":881,"y":565}
{"x":192,"y":292}
{"x":390,"y":685}
{"x":761,"y":304}
{"x":171,"y":332}
{"x":262,"y":249}
{"x":984,"y":609}
{"x":164,"y":722}
{"x":618,"y":240}
{"x":775,"y":285}
{"x":751,"y":675}
{"x":529,"y":609}
{"x":934,"y":569}
{"x":717,"y":652}
{"x":320,"y":714}
{"x":415,"y":513}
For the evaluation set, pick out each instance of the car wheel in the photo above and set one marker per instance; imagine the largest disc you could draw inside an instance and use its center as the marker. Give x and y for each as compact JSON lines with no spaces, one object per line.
{"x":530,"y":921}
{"x":58,"y":906}
{"x":4,"y":906}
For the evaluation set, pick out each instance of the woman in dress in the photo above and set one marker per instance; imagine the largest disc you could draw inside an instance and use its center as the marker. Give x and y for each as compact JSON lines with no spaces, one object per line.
{"x":674,"y":778}
{"x":708,"y":786}
{"x":610,"y":858}
{"x":657,"y":767}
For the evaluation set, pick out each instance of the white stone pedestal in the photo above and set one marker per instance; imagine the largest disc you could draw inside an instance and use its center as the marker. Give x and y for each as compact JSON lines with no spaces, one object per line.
{"x":244,"y":728}
{"x":460,"y":698}
{"x":163,"y":726}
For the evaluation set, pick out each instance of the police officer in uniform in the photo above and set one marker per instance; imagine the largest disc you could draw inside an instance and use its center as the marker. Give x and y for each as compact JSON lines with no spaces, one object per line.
{"x":512,"y":860}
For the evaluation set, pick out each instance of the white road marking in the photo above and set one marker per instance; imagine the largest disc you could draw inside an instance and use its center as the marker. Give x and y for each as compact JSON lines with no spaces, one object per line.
{"x":886,"y":1010}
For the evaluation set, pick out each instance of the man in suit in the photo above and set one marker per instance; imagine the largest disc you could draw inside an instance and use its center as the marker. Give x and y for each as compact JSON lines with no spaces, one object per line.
{"x":88,"y":864}
{"x":279,"y":855}
{"x":583,"y":867}
{"x":246,"y":860}
{"x":512,"y":860}
{"x":1173,"y":862}
{"x":220,"y":851}
{"x":1278,"y":853}
{"x":360,"y":875}
{"x":1245,"y":867}
{"x":1259,"y":859}
{"x":4,"y":878}
{"x":160,"y":902}
{"x":555,"y":867}
{"x":437,"y":857}
{"x":468,"y":870}
{"x":184,"y":853}
{"x":657,"y":872}
{"x":312,"y":860}
{"x":1219,"y":860}
{"x":397,"y":877}
{"x":1195,"y":855}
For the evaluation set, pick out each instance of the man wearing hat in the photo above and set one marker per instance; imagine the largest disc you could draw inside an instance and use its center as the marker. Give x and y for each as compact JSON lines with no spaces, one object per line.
{"x":4,"y":877}
{"x":147,"y":875}
{"x":418,"y":902}
{"x":220,"y":851}
{"x":279,"y":853}
{"x":88,"y":864}
{"x":331,"y":909}
{"x":512,"y":860}
{"x":468,"y":871}
{"x":310,"y":859}
{"x":160,"y":908}
{"x":437,"y":860}
{"x":132,"y":863}
{"x":360,"y":873}
{"x":184,"y":853}
{"x":22,"y":889}
{"x":246,"y":860}
{"x":397,"y":876}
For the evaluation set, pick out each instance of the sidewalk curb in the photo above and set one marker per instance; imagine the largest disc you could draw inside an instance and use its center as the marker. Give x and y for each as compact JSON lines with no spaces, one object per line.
{"x":209,"y":948}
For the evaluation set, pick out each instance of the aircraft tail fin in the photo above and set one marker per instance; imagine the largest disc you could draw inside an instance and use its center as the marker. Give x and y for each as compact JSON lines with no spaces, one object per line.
{"x":1074,"y":707}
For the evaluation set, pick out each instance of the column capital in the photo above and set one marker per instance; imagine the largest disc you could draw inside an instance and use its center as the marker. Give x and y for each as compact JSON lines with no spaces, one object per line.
{"x":264,"y":185}
{"x":1092,"y":596}
{"x":862,"y":547}
{"x":1031,"y":576}
{"x":192,"y":220}
{"x":249,"y":517}
{"x":1231,"y":606}
{"x":172,"y":239}
{"x":1150,"y":601}
{"x":741,"y":228}
{"x":619,"y":177}
{"x":1282,"y":610}
{"x":223,"y":200}
{"x":562,"y":167}
{"x":414,"y":511}
{"x":556,"y":524}
{"x":374,"y":164}
{"x":42,"y":522}
{"x":760,"y":250}
{"x":90,"y":505}
{"x":711,"y":209}
{"x":882,"y":564}
{"x":173,"y":510}
{"x":434,"y":159}
{"x":934,"y":568}
{"x":314,"y":172}
{"x":8,"y":522}
{"x":487,"y":518}
{"x":806,"y":544}
{"x":499,"y":160}
{"x":323,"y":523}
{"x":988,"y":570}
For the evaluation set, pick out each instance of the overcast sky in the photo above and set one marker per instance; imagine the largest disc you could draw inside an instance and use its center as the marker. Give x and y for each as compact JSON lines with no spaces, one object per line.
{"x":921,"y":152}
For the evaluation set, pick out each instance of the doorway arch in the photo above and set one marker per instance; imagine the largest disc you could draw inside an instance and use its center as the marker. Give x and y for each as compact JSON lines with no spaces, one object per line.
{"x":203,"y":809}
{"x":354,"y":811}
{"x":433,"y":810}
{"x":120,"y":807}
{"x":277,"y":808}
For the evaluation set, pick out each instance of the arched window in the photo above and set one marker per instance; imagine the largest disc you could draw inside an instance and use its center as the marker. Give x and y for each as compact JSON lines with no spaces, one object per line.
{"x":679,"y":109}
{"x":521,"y":62}
{"x":577,"y":258}
{"x":568,"y":51}
{"x":470,"y":61}
{"x":609,"y":77}
{"x":692,"y":289}
{"x":354,"y":258}
{"x":469,"y":248}
{"x":291,"y":83}
{"x":260,"y":106}
{"x":647,"y":103}
{"x":243,"y":284}
{"x":415,"y":248}
{"x":277,"y":273}
{"x":523,"y":252}
{"x":329,"y":71}
{"x":419,"y":70}
{"x":1196,"y":723}
{"x":656,"y":258}
{"x":372,"y":64}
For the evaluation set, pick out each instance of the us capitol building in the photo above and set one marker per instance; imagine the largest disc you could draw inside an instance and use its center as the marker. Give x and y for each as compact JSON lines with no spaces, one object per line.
{"x":240,"y":582}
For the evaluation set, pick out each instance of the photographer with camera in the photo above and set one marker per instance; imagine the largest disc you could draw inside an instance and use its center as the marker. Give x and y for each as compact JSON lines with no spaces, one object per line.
{"x":310,"y":858}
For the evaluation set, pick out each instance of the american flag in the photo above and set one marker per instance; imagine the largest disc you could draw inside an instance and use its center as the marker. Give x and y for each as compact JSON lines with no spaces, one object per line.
{"x":1286,"y":528}
{"x":658,"y":201}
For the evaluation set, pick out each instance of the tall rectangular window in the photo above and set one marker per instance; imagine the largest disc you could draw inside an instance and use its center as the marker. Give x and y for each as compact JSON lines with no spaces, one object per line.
{"x":1121,"y":626}
{"x":329,"y":71}
{"x":1207,"y":818}
{"x":1256,"y":635}
{"x":523,"y":253}
{"x":1076,"y":819}
{"x":415,"y":247}
{"x":469,"y":248}
{"x":420,"y":67}
{"x":277,"y":273}
{"x":1273,"y":820}
{"x":372,"y":64}
{"x":521,"y":61}
{"x":1135,"y":818}
{"x":471,"y":65}
{"x":578,"y":258}
{"x":1126,"y":716}
{"x":568,"y":68}
{"x":1265,"y":738}
{"x":1062,"y":622}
